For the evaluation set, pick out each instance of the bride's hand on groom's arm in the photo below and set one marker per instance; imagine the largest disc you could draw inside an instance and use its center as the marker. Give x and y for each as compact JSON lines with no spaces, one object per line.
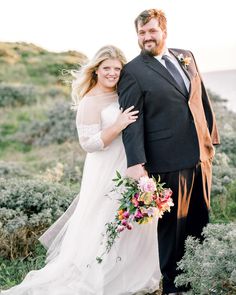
{"x":124,"y":119}
{"x":136,"y":171}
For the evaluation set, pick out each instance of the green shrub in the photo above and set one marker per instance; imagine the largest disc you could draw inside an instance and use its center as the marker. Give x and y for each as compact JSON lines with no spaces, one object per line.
{"x":58,"y":127}
{"x":12,"y":169}
{"x":228,"y":146}
{"x":210,"y":267}
{"x":223,"y":183}
{"x":27,"y":208}
{"x":224,"y":205}
{"x":223,"y":174}
{"x":16,"y":95}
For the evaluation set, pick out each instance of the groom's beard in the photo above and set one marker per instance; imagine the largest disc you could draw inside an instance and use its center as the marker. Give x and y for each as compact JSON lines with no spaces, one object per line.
{"x":154,"y":51}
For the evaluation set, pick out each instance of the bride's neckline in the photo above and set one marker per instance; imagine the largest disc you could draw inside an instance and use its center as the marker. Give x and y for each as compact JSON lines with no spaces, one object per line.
{"x":101,"y":94}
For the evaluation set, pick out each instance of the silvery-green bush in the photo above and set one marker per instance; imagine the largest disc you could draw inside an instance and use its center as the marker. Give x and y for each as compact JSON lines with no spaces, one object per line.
{"x":210,"y":267}
{"x":17,"y":95}
{"x":223,"y":174}
{"x":27,"y":208}
{"x":223,"y":193}
{"x":228,"y":146}
{"x":12,"y":169}
{"x":58,"y":126}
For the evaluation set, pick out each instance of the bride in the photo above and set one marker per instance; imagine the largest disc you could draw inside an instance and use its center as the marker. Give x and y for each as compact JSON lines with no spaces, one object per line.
{"x":74,"y":241}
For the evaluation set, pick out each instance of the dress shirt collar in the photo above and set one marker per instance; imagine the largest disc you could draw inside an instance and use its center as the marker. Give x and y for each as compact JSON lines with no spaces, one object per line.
{"x":166,"y":52}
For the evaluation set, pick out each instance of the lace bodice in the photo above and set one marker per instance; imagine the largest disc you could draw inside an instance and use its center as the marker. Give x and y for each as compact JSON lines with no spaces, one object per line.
{"x":90,"y":120}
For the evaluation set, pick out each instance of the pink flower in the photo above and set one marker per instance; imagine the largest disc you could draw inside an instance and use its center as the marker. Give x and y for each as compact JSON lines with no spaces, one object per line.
{"x":167,"y":193}
{"x":124,"y":222}
{"x":120,"y":228}
{"x":129,"y":226}
{"x":147,"y":184}
{"x":138,"y":214}
{"x":125,"y":214}
{"x":136,"y":196}
{"x":135,"y":202}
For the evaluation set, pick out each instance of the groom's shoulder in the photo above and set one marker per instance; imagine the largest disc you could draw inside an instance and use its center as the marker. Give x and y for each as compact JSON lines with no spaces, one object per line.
{"x":180,"y":51}
{"x":134,"y":63}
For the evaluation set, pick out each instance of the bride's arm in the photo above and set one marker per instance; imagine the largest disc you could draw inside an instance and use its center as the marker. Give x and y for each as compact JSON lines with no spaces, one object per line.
{"x":124,"y":119}
{"x":92,"y":137}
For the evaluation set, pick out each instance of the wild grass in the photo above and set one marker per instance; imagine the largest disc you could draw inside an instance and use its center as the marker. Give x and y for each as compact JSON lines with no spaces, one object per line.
{"x":12,"y":272}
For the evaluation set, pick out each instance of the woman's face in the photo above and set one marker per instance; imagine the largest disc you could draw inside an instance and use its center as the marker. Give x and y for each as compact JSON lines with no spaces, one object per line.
{"x":108,"y":74}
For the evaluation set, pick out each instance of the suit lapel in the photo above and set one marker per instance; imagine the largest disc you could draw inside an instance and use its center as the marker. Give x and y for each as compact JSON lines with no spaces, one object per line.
{"x":175,"y":53}
{"x":187,"y":73}
{"x":153,"y":63}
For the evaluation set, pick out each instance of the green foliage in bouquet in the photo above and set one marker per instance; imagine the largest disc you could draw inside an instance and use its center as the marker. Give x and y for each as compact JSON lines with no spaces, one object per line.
{"x":27,"y":208}
{"x":210,"y":267}
{"x":140,"y":202}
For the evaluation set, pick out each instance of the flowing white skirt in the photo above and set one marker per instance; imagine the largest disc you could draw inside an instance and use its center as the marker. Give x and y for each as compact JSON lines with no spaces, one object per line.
{"x":131,"y":267}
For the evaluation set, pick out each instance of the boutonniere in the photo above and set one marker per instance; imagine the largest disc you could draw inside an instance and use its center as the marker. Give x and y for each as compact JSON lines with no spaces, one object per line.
{"x":184,"y":60}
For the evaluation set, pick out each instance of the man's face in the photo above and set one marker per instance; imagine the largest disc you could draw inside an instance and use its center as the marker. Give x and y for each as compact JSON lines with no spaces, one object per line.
{"x":151,"y":38}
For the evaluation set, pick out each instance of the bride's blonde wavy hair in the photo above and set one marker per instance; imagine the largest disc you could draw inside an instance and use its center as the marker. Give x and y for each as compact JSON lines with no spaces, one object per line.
{"x":85,"y":79}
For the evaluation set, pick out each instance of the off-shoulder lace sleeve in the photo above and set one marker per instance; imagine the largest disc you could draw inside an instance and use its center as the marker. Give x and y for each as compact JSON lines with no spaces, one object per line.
{"x":88,"y":123}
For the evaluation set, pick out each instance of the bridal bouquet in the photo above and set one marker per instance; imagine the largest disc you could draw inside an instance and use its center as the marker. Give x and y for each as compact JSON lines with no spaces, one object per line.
{"x":140,"y":202}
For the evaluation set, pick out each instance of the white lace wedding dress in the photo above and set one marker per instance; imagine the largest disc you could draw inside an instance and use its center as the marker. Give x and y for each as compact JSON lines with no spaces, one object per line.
{"x":132,"y":266}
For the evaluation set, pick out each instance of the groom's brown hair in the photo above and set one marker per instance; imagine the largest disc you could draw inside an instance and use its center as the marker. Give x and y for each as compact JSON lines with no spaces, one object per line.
{"x":146,"y":15}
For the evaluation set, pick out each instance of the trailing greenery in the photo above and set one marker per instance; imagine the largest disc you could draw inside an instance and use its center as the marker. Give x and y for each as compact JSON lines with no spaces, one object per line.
{"x":210,"y":267}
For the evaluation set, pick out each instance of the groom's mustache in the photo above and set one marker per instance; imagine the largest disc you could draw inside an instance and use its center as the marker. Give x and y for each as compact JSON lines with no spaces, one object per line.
{"x":151,"y":40}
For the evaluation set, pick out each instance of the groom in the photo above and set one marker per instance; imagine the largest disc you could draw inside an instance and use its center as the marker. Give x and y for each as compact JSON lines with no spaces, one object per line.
{"x":173,"y":136}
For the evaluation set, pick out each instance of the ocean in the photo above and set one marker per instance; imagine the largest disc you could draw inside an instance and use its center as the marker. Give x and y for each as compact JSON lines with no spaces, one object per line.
{"x":222,"y":83}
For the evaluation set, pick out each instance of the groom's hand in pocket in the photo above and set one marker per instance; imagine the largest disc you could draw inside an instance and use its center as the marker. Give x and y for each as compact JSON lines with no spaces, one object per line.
{"x":136,"y":171}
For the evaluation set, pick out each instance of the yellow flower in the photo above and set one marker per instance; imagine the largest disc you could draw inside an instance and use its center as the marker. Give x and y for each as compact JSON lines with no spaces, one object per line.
{"x":145,"y":220}
{"x":146,"y":198}
{"x":187,"y":60}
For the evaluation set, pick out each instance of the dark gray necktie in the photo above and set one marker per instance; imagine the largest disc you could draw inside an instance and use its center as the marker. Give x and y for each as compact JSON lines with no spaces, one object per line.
{"x":175,"y":74}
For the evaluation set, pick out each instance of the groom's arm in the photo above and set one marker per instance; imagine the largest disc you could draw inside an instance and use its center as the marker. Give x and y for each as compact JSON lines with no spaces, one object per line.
{"x":130,"y":94}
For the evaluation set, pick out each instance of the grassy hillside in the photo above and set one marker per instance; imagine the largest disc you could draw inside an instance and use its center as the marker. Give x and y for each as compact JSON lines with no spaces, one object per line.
{"x":23,"y":63}
{"x":35,"y":104}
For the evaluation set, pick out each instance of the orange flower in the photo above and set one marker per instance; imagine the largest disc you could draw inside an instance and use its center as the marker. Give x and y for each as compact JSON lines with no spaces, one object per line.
{"x":120,"y":212}
{"x":185,"y":60}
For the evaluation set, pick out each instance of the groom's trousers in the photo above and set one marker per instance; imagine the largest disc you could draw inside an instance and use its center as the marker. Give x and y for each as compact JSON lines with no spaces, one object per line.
{"x":191,"y":196}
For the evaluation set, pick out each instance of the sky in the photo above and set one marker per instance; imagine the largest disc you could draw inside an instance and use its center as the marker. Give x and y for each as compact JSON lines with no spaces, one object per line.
{"x":206,"y":27}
